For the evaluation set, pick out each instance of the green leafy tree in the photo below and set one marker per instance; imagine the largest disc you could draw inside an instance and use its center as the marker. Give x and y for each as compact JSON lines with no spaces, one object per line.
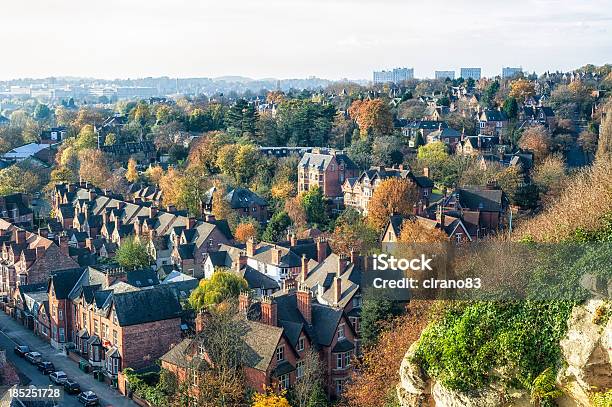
{"x":222,"y":286}
{"x":313,"y":203}
{"x":511,"y":107}
{"x":42,"y":112}
{"x":277,"y":227}
{"x":132,"y":254}
{"x":375,"y":310}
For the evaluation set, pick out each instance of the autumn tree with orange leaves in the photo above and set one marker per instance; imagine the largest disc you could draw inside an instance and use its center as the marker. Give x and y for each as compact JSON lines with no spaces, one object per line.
{"x":372,"y":117}
{"x":375,"y":377}
{"x":245,"y":231}
{"x":415,"y":231}
{"x":392,"y":196}
{"x":521,"y":89}
{"x":537,"y":140}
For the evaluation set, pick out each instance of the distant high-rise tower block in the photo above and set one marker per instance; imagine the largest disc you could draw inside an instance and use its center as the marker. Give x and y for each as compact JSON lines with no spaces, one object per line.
{"x":397,"y":75}
{"x":443,"y":75}
{"x":471,"y":73}
{"x":508,"y":72}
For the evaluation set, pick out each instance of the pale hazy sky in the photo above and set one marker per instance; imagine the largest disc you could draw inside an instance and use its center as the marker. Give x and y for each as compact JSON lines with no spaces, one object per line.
{"x":297,"y":38}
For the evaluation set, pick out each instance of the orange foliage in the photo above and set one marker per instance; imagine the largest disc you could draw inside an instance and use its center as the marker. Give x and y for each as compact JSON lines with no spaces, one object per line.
{"x":377,"y":374}
{"x":391,"y":196}
{"x":537,"y":140}
{"x":372,"y":115}
{"x":245,"y":231}
{"x":522,"y":89}
{"x":415,"y":231}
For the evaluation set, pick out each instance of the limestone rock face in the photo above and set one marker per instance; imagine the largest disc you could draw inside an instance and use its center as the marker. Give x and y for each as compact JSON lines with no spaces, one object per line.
{"x":587,"y":349}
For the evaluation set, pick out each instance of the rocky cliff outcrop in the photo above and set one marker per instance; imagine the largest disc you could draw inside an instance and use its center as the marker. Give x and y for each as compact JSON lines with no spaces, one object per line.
{"x":587,"y":350}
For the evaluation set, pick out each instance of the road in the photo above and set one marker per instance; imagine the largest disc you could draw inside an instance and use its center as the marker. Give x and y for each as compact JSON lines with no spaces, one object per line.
{"x":13,"y":333}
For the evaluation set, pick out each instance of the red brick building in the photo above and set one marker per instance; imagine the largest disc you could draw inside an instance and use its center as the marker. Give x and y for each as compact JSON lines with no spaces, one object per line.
{"x":281,"y":329}
{"x":326,"y":169}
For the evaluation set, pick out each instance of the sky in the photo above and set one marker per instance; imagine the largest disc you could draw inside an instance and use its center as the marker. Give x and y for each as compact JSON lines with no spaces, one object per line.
{"x":331,"y":39}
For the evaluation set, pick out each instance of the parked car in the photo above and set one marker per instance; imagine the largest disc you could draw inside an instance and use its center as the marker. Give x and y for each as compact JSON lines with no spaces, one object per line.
{"x":21,"y":350}
{"x":45,"y":367}
{"x":58,"y":377}
{"x":88,"y":398}
{"x":33,"y":357}
{"x":72,"y":387}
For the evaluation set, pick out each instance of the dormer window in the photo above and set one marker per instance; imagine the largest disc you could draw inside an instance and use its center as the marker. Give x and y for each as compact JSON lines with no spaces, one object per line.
{"x":341,"y":331}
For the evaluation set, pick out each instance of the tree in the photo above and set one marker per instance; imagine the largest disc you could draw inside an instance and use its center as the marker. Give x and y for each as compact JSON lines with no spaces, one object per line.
{"x":308,"y":389}
{"x":270,"y":399}
{"x":370,"y":385}
{"x":488,"y":96}
{"x":154,"y":174}
{"x":17,"y":179}
{"x":521,"y":89}
{"x":433,"y":154}
{"x":86,"y":138}
{"x":511,"y":107}
{"x":245,"y":231}
{"x":387,"y":151}
{"x":537,"y":140}
{"x":372,"y":117}
{"x":550,"y":177}
{"x":587,"y":140}
{"x":351,"y":232}
{"x":392,"y":196}
{"x":93,"y":167}
{"x":376,"y":309}
{"x":132,"y":173}
{"x":604,"y":146}
{"x":132,"y":254}
{"x":222,"y":383}
{"x":296,"y":212}
{"x":277,"y":227}
{"x":313,"y":203}
{"x":42,"y":112}
{"x":222,"y":286}
{"x":241,"y":118}
{"x":414,"y":231}
{"x":204,"y":151}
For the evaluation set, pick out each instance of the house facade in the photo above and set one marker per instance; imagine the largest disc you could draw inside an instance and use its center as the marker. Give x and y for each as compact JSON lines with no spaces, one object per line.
{"x":327,"y":170}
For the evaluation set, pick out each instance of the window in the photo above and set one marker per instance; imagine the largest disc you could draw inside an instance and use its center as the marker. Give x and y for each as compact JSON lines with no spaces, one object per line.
{"x":62,"y":336}
{"x":115,"y":337}
{"x":194,"y":378}
{"x":95,"y":326}
{"x":347,"y":359}
{"x":300,"y":344}
{"x":339,"y":360}
{"x":459,"y":236}
{"x":356,"y":302}
{"x":425,"y":192}
{"x":341,"y":331}
{"x":61,"y":315}
{"x":280,"y":353}
{"x":201,"y":348}
{"x":104,"y":331}
{"x":283,"y":381}
{"x":482,"y":125}
{"x":300,"y":369}
{"x":115,"y":320}
{"x":339,"y":386}
{"x":355,"y":323}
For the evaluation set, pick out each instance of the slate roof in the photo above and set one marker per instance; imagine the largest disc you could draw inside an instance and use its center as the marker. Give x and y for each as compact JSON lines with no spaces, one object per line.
{"x":322,"y":160}
{"x":64,"y":281}
{"x":261,"y":340}
{"x":177,"y":354}
{"x":491,"y":115}
{"x":487,"y":200}
{"x":142,"y":278}
{"x":322,"y":274}
{"x":244,"y":198}
{"x":256,"y":279}
{"x":142,"y":306}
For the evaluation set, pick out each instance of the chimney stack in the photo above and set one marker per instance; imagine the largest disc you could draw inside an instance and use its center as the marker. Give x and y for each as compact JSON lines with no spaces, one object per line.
{"x":20,"y":236}
{"x":341,"y":265}
{"x":191,"y":222}
{"x":63,"y":245}
{"x":89,"y":244}
{"x":200,"y":321}
{"x":321,"y":250}
{"x":244,"y":301}
{"x":337,"y":290}
{"x":293,"y":240}
{"x":91,"y":195}
{"x":152,"y":211}
{"x":304,"y":271}
{"x":426,"y":172}
{"x":241,"y":261}
{"x":355,"y":259}
{"x":304,"y":302}
{"x":250,"y":247}
{"x":269,"y":310}
{"x":40,"y":251}
{"x":209,"y":218}
{"x":276,"y":255}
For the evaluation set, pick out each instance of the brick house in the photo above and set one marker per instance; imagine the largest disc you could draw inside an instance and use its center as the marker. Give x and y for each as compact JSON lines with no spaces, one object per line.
{"x":15,"y":208}
{"x":242,"y":201}
{"x":358,"y":191}
{"x":280,"y":330}
{"x":113,"y":319}
{"x":453,"y":227}
{"x":326,"y":169}
{"x":492,"y":122}
{"x":482,"y":210}
{"x":28,"y":257}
